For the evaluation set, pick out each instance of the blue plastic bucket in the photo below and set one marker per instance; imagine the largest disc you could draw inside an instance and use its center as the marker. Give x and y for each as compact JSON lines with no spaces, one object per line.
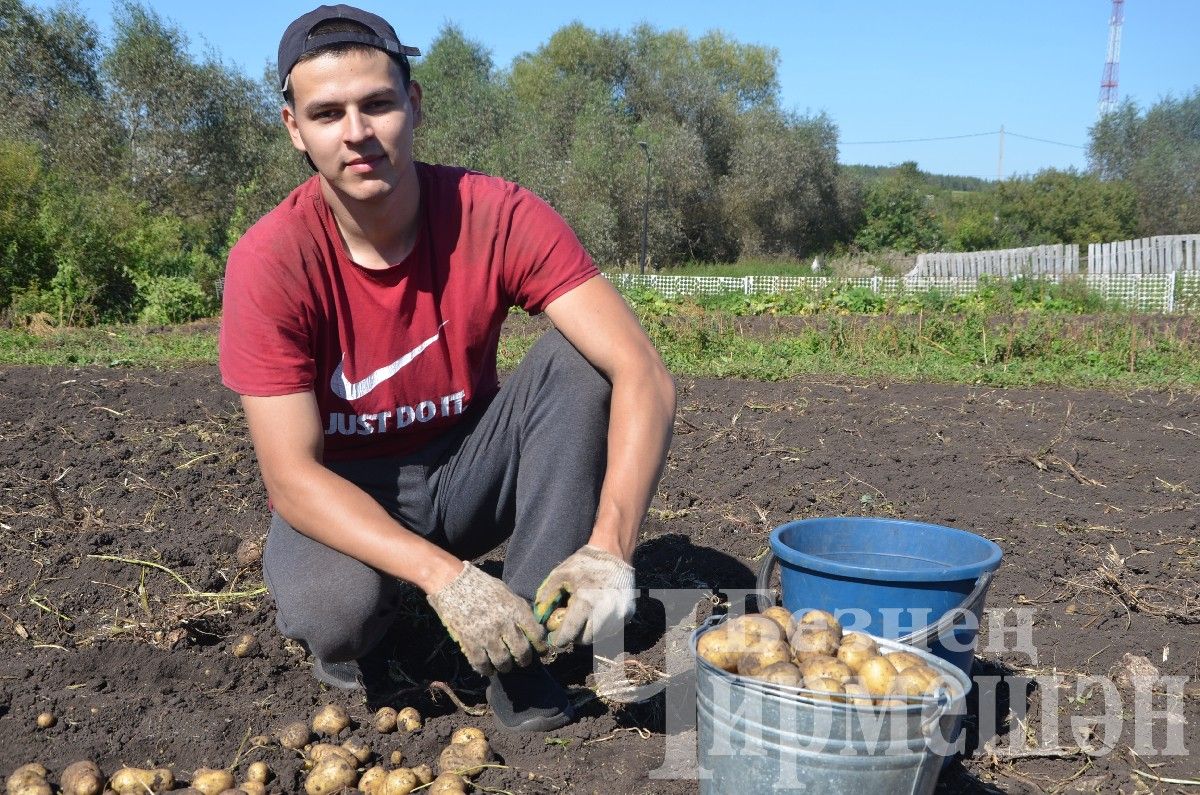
{"x":894,"y":578}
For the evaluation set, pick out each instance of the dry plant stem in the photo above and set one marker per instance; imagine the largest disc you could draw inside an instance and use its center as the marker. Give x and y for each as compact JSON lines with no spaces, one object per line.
{"x":458,"y":702}
{"x":149,"y":563}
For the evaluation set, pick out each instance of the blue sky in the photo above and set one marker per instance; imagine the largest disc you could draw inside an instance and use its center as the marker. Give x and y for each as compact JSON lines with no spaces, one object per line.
{"x":883,"y":70}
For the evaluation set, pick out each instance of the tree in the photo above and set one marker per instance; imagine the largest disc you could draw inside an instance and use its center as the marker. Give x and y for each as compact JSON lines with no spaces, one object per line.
{"x":898,"y":216}
{"x":1158,"y":153}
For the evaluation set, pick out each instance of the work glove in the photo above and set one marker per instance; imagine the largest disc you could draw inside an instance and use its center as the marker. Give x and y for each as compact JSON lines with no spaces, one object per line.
{"x":492,"y":625}
{"x":601,"y":596}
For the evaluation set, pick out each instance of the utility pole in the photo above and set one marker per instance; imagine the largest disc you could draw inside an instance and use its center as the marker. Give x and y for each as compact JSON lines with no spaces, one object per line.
{"x":645,"y":208}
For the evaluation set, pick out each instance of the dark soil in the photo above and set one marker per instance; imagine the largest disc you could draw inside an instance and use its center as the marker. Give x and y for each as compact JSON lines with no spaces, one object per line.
{"x":1093,"y":497}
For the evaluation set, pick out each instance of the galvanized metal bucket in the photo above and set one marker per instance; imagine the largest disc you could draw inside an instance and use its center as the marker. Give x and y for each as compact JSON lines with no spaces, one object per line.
{"x":756,"y":738}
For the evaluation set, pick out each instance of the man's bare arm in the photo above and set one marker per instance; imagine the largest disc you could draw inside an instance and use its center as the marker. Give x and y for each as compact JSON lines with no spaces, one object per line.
{"x":599,"y":323}
{"x":288,"y":441}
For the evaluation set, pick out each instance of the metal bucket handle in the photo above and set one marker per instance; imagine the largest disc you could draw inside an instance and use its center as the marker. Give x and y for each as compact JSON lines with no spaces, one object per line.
{"x":765,"y":597}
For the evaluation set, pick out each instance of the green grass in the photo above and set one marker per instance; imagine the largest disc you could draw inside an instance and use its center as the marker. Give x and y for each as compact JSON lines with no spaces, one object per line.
{"x":746,"y":267}
{"x":1030,"y":347}
{"x":133,"y":346}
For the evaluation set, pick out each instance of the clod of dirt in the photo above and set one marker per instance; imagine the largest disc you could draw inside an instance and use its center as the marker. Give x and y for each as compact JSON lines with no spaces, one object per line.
{"x":248,"y":552}
{"x":1134,"y":667}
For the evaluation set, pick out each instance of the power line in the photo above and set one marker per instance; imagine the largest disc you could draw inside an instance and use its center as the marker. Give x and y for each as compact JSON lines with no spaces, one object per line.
{"x":1043,"y":140}
{"x":916,"y":140}
{"x":957,"y":137}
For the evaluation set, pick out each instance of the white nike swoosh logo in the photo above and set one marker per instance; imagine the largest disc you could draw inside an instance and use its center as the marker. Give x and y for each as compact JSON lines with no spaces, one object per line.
{"x":346,"y":389}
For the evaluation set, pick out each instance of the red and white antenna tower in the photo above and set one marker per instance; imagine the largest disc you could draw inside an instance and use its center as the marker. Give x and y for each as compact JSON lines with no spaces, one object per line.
{"x":1108,"y":83}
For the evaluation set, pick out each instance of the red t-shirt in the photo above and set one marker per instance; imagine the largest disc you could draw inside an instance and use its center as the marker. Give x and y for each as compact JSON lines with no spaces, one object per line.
{"x":395,"y":356}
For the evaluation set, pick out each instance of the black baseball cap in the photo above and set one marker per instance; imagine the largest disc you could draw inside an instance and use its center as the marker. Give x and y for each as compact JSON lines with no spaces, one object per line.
{"x":297,"y":39}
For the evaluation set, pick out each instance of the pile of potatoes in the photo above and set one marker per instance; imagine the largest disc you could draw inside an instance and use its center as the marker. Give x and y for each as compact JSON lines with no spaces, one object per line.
{"x":334,"y":768}
{"x":330,"y":767}
{"x":811,"y":652}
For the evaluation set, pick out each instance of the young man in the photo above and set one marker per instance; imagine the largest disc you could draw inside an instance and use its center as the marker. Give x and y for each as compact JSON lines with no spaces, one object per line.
{"x":361,"y":319}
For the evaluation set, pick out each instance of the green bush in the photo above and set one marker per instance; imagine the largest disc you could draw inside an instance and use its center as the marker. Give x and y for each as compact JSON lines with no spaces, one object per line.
{"x":172,"y":299}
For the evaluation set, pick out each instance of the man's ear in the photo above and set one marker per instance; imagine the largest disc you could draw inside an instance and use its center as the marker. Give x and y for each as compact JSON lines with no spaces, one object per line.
{"x":414,"y":99}
{"x":289,"y":121}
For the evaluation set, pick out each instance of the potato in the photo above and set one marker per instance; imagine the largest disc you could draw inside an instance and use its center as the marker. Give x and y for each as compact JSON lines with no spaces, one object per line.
{"x":860,"y":639}
{"x":82,"y":778}
{"x":857,"y":694}
{"x":917,"y":680}
{"x":362,"y":752}
{"x":877,"y":675}
{"x":409,"y":719}
{"x":829,"y":688}
{"x":331,"y":719}
{"x":465,"y":758}
{"x":826,"y":668}
{"x":253,"y":788}
{"x":372,"y":781}
{"x":780,"y":673}
{"x":248,"y":552}
{"x":28,"y":779}
{"x":466,"y":734}
{"x":782,"y":617}
{"x":245,"y":646}
{"x":768,"y":653}
{"x":448,"y":784}
{"x":555,"y":620}
{"x":385,"y":720}
{"x":752,"y":630}
{"x":397,"y":758}
{"x":400,"y":781}
{"x":46,"y":720}
{"x":137,"y":781}
{"x":853,"y":655}
{"x":258,"y":771}
{"x":294,"y":736}
{"x":718,"y":648}
{"x":319,"y":752}
{"x":424,"y":773}
{"x":212,"y":782}
{"x":332,"y":774}
{"x":814,"y":642}
{"x":822,"y":619}
{"x":230,"y":791}
{"x":903,"y":659}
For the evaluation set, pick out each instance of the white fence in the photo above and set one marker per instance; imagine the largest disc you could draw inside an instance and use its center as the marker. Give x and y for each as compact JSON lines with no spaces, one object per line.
{"x":1056,"y":260}
{"x":1162,"y":254}
{"x":1167,"y":293}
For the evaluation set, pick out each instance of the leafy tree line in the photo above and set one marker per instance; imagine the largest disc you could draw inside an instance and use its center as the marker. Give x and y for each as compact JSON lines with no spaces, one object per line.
{"x":129,"y":166}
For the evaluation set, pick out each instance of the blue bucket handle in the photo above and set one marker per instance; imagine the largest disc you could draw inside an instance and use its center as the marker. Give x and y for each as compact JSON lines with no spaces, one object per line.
{"x":765,"y":596}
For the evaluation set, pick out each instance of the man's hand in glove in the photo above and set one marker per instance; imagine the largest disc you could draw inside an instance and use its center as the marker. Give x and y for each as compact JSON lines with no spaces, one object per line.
{"x":494,"y":627}
{"x":601,"y":596}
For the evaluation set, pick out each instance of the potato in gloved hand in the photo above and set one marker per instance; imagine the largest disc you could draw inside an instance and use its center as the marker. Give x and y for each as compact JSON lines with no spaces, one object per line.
{"x":599,"y":587}
{"x":492,"y":625}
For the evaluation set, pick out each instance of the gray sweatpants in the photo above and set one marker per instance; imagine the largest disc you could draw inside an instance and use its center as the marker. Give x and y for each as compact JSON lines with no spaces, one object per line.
{"x":527,"y":469}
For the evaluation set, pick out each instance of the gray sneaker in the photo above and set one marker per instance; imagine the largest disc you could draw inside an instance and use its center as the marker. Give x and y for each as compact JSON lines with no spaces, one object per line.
{"x":370,"y":673}
{"x":529,"y":699}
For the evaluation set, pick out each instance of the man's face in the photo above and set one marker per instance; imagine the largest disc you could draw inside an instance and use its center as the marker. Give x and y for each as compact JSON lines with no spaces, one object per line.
{"x":353,"y":118}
